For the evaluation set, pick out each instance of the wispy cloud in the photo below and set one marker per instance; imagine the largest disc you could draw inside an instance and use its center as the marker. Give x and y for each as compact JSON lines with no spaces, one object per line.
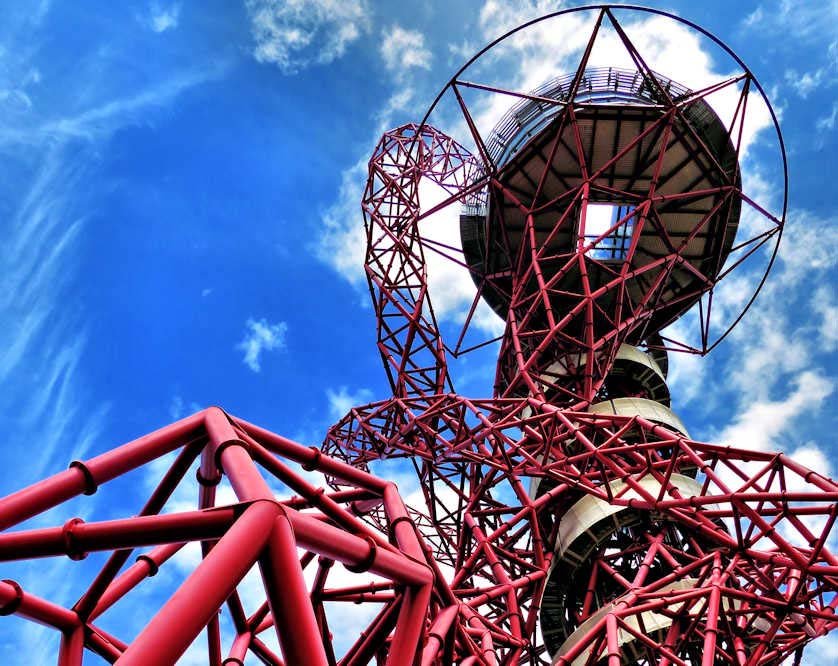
{"x":827,"y":123}
{"x":261,"y":336}
{"x":52,"y":413}
{"x":178,"y":407}
{"x":764,"y":425}
{"x":43,"y":339}
{"x":805,"y":83}
{"x":51,"y":158}
{"x":801,"y":21}
{"x":101,"y":120}
{"x":161,"y":17}
{"x":294,"y":34}
{"x":104,"y":116}
{"x":819,"y":77}
{"x":403,"y":49}
{"x":342,"y":400}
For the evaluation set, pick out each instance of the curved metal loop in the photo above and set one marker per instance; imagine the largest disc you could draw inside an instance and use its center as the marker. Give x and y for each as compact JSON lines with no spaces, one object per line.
{"x":409,"y":340}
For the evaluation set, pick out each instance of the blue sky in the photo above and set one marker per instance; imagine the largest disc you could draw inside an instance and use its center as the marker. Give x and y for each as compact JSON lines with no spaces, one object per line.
{"x":179,"y":213}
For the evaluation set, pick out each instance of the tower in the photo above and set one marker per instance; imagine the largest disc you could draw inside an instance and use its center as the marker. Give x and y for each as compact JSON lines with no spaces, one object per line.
{"x":568,"y":518}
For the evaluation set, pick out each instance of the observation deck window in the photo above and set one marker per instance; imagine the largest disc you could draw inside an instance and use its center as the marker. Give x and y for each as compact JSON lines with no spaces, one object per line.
{"x":601,"y":219}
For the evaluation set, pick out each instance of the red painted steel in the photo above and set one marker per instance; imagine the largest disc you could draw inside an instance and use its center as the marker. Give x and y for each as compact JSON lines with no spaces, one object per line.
{"x":697,"y":553}
{"x":280,"y":537}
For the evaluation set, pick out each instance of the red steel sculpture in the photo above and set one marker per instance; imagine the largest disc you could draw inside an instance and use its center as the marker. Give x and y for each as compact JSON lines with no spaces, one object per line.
{"x":567,"y":519}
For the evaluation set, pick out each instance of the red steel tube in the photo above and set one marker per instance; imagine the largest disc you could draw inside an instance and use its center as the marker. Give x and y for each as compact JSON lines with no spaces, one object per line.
{"x":110,"y":638}
{"x":145,"y":566}
{"x":76,"y":538}
{"x":154,"y":505}
{"x":188,"y":611}
{"x":103,"y":647}
{"x":406,"y":638}
{"x":238,"y":651}
{"x":290,"y":604}
{"x":370,"y":640}
{"x":308,"y":456}
{"x":299,"y":485}
{"x":71,"y":650}
{"x":13,"y":599}
{"x":264,"y":653}
{"x":336,"y":544}
{"x":232,"y":455}
{"x":19,"y":506}
{"x":291,"y":608}
{"x":437,"y":633}
{"x":712,"y":622}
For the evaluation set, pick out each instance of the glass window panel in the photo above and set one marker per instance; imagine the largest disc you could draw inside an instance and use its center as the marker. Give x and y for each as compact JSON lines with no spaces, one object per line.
{"x":599,"y":219}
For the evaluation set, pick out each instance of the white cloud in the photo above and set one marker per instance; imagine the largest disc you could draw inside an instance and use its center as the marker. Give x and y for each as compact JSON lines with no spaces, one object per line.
{"x":402,"y":49}
{"x":162,"y":18}
{"x":294,"y":34}
{"x":777,"y":339}
{"x":763,"y":425}
{"x":342,"y":400}
{"x":16,"y":100}
{"x":822,"y":651}
{"x":553,"y":47}
{"x":754,"y":18}
{"x":450,"y":286}
{"x":825,"y":306}
{"x":497,"y":17}
{"x":805,"y":82}
{"x":342,"y":243}
{"x":794,"y":21}
{"x":105,"y":116}
{"x":261,"y":336}
{"x":178,"y":408}
{"x":827,"y":123}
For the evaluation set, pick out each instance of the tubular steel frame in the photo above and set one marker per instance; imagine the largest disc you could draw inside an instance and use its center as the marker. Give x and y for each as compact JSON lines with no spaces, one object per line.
{"x":461,"y":579}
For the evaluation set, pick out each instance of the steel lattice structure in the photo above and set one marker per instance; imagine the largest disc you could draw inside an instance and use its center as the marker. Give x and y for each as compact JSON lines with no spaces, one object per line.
{"x":567,"y":519}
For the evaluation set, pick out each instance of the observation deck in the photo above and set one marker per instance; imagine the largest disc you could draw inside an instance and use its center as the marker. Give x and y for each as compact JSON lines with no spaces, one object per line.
{"x":661,"y":170}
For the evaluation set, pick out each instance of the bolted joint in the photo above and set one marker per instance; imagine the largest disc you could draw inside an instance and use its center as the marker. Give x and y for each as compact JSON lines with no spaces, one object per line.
{"x":207,"y":482}
{"x":220,"y":449}
{"x":312,"y":464}
{"x":394,"y":523}
{"x":150,"y":563}
{"x":13,"y":605}
{"x":71,"y":547}
{"x":367,"y":562}
{"x":90,"y":485}
{"x":222,"y":433}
